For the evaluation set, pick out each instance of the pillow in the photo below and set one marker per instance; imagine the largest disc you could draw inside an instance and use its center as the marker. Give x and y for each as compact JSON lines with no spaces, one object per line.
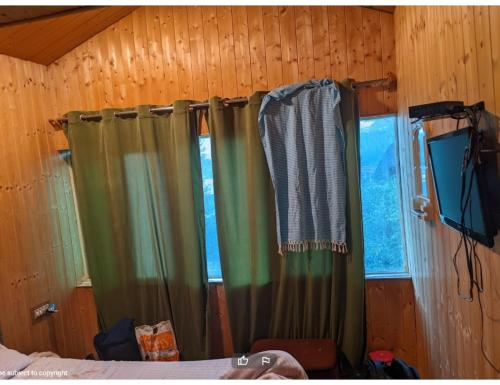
{"x":12,"y":361}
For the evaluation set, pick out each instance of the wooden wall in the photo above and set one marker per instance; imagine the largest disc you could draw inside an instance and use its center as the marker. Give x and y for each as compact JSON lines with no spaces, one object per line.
{"x":159,"y":54}
{"x":448,"y":53}
{"x":154,"y":55}
{"x":40,"y":257}
{"x":390,"y":318}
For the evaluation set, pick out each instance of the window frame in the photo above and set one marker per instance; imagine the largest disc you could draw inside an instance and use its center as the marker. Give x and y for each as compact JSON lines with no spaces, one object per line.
{"x":406,"y":274}
{"x":84,"y":280}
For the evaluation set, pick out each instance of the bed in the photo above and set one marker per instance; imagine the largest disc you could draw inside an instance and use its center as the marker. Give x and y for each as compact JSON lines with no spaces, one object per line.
{"x":15,"y":365}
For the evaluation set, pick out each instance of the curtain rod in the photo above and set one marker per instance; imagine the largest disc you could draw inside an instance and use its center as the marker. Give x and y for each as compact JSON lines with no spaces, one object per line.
{"x":386,"y":83}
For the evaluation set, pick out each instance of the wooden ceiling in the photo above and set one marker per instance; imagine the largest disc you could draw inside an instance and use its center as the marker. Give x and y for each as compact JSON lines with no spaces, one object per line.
{"x":44,"y":34}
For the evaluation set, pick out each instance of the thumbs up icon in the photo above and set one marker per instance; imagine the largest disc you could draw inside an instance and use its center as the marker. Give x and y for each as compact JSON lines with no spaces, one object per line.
{"x":242,"y":361}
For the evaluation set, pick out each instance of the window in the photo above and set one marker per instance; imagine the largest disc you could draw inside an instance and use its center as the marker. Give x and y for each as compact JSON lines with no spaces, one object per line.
{"x":65,"y":201}
{"x":380,"y":196}
{"x":146,"y":267}
{"x":381,"y":206}
{"x":211,"y":241}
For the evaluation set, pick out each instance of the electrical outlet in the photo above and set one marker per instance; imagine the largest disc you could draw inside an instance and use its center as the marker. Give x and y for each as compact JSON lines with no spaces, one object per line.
{"x":40,"y":310}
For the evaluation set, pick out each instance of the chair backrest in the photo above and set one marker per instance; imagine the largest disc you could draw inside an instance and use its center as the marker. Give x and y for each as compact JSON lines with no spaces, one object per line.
{"x":312,"y":354}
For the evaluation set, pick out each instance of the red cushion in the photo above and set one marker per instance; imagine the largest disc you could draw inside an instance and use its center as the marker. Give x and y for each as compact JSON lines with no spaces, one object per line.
{"x":312,"y":354}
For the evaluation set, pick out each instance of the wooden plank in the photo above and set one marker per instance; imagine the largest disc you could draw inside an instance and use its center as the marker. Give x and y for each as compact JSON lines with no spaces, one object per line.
{"x":495,"y":56}
{"x":129,"y":72}
{"x":487,"y":91}
{"x":71,"y":33}
{"x":226,"y":47}
{"x":142,"y":56}
{"x":169,"y":53}
{"x":372,"y":44}
{"x":483,"y":52}
{"x":388,"y":59}
{"x":470,"y":57}
{"x":242,"y":51}
{"x":355,"y":48}
{"x":47,"y":40}
{"x":355,"y":52}
{"x":321,"y":42}
{"x":338,"y":42}
{"x":270,"y":18}
{"x":183,"y":53}
{"x":112,"y":36}
{"x":198,"y":59}
{"x":153,"y":26}
{"x":390,"y":312}
{"x":96,"y":95}
{"x":288,"y":45}
{"x":461,"y":67}
{"x":212,"y":50}
{"x":257,"y":49}
{"x":305,"y":55}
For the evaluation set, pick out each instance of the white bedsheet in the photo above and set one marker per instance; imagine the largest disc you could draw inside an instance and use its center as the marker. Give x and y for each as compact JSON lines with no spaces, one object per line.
{"x":11,"y":362}
{"x":51,"y":368}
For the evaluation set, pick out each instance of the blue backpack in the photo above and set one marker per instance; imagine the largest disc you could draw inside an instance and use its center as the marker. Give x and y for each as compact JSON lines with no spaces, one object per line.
{"x":118,"y":343}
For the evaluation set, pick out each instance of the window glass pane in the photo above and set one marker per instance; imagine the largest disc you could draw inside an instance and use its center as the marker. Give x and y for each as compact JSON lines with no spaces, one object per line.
{"x":212,"y":245}
{"x":380,"y":197}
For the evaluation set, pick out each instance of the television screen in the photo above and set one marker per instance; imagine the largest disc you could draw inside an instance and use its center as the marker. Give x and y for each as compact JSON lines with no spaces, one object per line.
{"x":447,"y":157}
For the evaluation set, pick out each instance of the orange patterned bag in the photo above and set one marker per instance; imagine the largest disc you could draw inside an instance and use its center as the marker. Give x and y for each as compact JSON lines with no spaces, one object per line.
{"x":157,"y":342}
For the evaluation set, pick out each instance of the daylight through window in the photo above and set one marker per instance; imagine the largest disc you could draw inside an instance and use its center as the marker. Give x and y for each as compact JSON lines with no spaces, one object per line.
{"x":211,"y":242}
{"x":380,"y":197}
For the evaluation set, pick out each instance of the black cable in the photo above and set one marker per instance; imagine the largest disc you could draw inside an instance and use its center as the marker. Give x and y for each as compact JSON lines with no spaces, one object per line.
{"x":474,"y":265}
{"x":483,"y":350}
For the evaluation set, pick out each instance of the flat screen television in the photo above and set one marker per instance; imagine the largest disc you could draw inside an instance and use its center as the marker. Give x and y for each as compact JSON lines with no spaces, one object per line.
{"x":446,"y":154}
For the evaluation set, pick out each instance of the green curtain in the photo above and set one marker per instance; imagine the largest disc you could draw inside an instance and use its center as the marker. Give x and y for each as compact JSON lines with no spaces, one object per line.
{"x":300,"y":295}
{"x":140,"y":196}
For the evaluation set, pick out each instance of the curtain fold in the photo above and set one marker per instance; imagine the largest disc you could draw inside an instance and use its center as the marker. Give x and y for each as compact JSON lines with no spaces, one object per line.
{"x":314,"y":294}
{"x":140,"y":196}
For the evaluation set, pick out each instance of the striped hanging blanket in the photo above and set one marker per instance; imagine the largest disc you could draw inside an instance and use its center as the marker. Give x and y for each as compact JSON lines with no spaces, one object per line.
{"x":302,"y":134}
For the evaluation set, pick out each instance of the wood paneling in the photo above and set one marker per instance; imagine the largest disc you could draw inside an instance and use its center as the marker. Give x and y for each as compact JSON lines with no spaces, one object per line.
{"x":40,"y":254}
{"x":447,"y":53}
{"x":159,"y":54}
{"x":13,"y":14}
{"x":46,"y":40}
{"x":154,"y":55}
{"x":390,"y":317}
{"x":382,"y":8}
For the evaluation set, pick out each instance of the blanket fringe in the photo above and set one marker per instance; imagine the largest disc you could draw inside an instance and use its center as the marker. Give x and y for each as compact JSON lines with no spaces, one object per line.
{"x":298,"y":246}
